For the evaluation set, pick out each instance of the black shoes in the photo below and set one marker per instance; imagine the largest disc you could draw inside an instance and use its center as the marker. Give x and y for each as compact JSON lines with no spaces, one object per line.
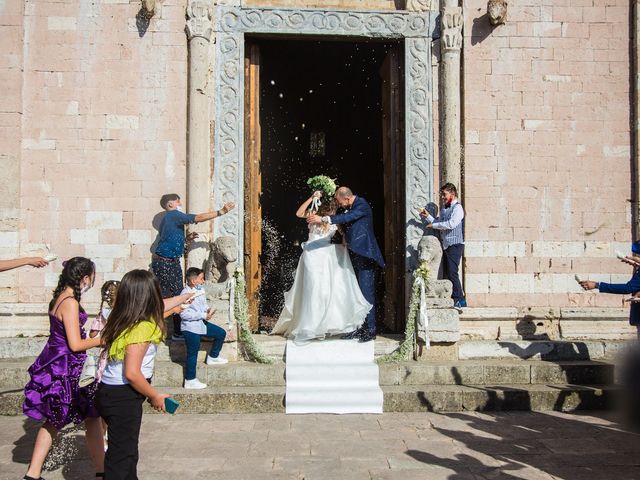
{"x":366,"y":336}
{"x":351,"y":335}
{"x":362,"y":334}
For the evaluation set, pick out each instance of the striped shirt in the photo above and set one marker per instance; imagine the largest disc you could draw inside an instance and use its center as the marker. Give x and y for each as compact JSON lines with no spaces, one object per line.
{"x":450,"y":223}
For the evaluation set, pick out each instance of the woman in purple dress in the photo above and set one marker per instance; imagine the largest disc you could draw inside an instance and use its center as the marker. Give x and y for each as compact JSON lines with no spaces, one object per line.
{"x":53,"y":393}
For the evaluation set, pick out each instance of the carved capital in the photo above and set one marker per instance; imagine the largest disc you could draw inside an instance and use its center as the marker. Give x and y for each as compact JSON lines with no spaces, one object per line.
{"x":421,"y":5}
{"x":451,"y":22}
{"x":199,"y":16}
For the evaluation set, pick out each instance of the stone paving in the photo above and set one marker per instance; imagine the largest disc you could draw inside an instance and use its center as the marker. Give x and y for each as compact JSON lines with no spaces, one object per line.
{"x":456,"y":446}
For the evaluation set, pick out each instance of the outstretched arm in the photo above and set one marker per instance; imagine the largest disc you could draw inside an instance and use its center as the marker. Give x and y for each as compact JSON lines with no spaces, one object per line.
{"x":21,"y":262}
{"x":631,"y":287}
{"x":302,"y":209}
{"x":203,"y":217}
{"x":456,"y":217}
{"x":356,"y":212}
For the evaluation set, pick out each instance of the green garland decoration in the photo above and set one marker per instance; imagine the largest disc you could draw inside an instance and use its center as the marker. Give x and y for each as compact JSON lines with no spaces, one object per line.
{"x":408,"y":346}
{"x":248,"y":345}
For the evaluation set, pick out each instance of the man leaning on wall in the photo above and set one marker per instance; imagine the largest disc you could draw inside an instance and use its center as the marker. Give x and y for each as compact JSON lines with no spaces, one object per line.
{"x":450,"y":224}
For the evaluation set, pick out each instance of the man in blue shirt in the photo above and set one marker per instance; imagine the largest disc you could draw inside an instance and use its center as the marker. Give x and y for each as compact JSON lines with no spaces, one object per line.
{"x":165,"y":263}
{"x":629,"y":288}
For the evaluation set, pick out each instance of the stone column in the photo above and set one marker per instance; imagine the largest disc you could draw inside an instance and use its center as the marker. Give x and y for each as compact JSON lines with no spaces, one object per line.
{"x":450,"y":46}
{"x":199,"y":30}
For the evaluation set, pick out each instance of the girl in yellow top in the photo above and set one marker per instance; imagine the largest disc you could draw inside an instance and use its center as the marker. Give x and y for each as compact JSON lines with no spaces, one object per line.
{"x":131,"y":338}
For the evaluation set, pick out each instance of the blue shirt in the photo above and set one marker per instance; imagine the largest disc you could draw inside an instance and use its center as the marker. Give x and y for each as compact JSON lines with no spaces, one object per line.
{"x":171,"y":241}
{"x":631,"y":287}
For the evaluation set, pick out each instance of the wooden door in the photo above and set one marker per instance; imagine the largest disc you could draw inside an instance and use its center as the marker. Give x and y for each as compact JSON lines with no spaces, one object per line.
{"x":252,"y":181}
{"x":394,"y":192}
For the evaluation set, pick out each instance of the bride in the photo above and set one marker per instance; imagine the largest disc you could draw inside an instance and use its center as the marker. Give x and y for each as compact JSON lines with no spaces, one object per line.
{"x":325,"y":298}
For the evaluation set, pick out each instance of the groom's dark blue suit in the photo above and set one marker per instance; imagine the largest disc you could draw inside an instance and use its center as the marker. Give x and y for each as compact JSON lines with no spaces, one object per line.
{"x":363,"y":250}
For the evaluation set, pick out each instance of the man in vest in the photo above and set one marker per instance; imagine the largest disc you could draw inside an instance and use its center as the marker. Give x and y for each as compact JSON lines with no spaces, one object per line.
{"x":450,"y":224}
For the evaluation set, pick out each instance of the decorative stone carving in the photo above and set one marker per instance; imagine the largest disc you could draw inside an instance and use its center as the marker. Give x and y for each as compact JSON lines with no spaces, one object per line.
{"x":451,"y":22}
{"x":149,"y":8}
{"x":199,"y":17}
{"x":497,"y":12}
{"x":393,"y":24}
{"x":421,"y":5}
{"x":231,"y":25}
{"x":430,"y":251}
{"x":419,"y":146}
{"x":222,"y":261}
{"x":444,"y":323}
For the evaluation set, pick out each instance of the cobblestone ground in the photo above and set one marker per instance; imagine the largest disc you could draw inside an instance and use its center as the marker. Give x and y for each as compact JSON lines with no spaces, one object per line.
{"x":422,"y":446}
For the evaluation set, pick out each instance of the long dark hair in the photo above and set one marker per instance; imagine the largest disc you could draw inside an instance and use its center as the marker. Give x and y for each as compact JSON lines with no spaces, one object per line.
{"x":74,"y":270}
{"x":138,"y":299}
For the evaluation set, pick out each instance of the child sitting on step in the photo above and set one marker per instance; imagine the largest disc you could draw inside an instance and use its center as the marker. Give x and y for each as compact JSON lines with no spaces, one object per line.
{"x":194,"y":325}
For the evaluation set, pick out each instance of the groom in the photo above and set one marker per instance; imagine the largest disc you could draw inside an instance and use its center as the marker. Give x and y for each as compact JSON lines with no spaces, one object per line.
{"x":357,"y":219}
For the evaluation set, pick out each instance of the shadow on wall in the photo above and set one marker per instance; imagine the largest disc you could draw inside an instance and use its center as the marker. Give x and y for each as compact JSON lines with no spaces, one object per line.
{"x":155,"y":223}
{"x":481,"y":29}
{"x":142,"y":22}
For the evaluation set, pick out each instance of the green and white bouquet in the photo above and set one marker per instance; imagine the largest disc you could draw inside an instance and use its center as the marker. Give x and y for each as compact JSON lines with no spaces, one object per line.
{"x":323,"y":183}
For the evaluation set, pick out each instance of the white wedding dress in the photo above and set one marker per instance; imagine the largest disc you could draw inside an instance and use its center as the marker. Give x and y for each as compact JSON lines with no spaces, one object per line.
{"x":325,"y":298}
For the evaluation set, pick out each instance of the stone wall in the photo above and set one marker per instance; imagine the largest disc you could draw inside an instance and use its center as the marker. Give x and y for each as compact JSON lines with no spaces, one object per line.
{"x":92,"y":129}
{"x":547,"y":151}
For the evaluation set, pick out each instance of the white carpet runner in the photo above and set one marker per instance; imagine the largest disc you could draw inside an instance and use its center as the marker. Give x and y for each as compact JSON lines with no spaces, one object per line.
{"x":332,"y":376}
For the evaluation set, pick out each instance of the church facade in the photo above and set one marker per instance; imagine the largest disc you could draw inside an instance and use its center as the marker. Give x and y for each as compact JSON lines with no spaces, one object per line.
{"x":529,"y":108}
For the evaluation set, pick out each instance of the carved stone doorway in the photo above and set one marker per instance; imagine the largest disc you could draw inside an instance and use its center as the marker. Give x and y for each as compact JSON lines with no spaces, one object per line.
{"x":234,"y":25}
{"x":320,"y":107}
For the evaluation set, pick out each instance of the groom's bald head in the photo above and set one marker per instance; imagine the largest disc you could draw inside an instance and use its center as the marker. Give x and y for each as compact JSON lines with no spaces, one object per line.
{"x":344,"y":192}
{"x":344,"y":196}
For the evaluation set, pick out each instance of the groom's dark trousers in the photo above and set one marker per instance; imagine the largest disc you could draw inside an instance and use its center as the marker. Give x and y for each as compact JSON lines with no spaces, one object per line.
{"x":365,"y":270}
{"x":358,"y":223}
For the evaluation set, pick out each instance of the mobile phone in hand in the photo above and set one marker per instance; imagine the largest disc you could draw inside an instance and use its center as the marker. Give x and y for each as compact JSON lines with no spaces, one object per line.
{"x":170,"y":405}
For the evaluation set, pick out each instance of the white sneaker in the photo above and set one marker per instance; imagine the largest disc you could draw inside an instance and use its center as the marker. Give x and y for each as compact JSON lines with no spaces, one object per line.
{"x":216,"y":361}
{"x":194,"y":384}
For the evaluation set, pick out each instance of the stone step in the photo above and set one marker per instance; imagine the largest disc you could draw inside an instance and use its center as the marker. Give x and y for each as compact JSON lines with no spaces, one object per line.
{"x":13,"y":374}
{"x":543,"y":349}
{"x":274,"y":347}
{"x":434,"y":398}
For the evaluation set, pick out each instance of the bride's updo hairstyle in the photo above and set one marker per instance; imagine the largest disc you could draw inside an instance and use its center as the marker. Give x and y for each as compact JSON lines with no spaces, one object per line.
{"x":328,"y":206}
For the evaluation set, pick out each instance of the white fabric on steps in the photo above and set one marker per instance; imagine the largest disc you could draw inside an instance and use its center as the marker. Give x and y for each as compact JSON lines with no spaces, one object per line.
{"x":332,"y":376}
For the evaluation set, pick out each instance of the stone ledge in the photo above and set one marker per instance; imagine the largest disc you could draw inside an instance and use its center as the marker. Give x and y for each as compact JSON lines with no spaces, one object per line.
{"x":566,"y":313}
{"x":548,"y":350}
{"x":13,"y":374}
{"x":447,"y":398}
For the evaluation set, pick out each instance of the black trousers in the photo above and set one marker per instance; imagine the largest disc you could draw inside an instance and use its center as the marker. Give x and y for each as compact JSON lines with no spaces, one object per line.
{"x":365,"y":269}
{"x":121,"y":408}
{"x":168,"y":271}
{"x":452,"y":257}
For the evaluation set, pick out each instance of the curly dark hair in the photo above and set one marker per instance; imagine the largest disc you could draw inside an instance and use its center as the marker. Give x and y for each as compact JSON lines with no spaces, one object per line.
{"x":74,"y":270}
{"x":108,"y":293}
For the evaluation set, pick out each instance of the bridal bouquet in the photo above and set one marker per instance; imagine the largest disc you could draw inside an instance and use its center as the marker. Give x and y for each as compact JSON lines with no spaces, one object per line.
{"x":323,"y":183}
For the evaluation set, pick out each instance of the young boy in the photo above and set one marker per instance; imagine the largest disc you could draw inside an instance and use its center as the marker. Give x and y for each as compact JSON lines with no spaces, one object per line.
{"x":194,"y":326}
{"x":165,"y":262}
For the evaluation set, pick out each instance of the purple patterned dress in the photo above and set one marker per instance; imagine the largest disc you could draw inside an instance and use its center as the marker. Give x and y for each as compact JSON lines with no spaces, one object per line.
{"x":53,"y":392}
